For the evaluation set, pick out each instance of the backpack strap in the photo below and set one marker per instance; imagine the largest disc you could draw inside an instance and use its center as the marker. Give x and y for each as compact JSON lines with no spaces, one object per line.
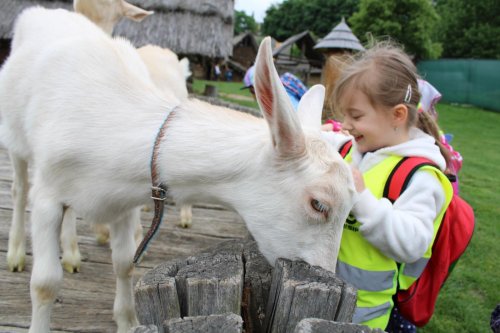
{"x":345,"y":148}
{"x":401,"y":174}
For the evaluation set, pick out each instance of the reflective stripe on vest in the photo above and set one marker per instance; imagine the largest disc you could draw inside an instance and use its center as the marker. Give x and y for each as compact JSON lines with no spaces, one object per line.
{"x":366,"y":280}
{"x":365,"y":314}
{"x":416,"y":268}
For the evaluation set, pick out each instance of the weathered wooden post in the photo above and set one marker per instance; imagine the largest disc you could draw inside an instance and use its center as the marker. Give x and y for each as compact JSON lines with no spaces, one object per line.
{"x":209,"y":283}
{"x":207,"y":293}
{"x":314,"y":325}
{"x":258,"y":274}
{"x":210,"y":90}
{"x":300,"y":291}
{"x":156,"y":294}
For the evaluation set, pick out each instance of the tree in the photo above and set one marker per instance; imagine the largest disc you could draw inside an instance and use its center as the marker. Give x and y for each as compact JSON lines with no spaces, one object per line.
{"x":470,"y":29}
{"x":412,"y":23}
{"x":244,"y":23}
{"x":294,"y":16}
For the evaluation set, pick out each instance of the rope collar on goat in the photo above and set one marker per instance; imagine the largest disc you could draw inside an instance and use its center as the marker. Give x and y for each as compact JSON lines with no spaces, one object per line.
{"x":158,"y":192}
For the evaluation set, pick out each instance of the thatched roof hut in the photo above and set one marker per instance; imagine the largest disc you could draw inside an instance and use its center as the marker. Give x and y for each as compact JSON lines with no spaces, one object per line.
{"x":187,"y":27}
{"x":9,"y":9}
{"x":340,"y":38}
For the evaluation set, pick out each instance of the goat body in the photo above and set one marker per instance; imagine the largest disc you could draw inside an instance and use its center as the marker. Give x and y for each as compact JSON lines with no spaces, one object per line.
{"x":85,"y":110}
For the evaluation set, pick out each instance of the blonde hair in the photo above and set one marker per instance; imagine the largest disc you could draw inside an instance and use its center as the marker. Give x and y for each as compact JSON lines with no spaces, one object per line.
{"x":388,"y":77}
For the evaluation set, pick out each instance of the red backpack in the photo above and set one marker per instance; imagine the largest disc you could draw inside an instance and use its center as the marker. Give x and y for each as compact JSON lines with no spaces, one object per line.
{"x":454,"y":235}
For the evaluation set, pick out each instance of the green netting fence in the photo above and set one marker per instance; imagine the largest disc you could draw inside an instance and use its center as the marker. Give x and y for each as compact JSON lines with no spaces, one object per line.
{"x":466,"y":81}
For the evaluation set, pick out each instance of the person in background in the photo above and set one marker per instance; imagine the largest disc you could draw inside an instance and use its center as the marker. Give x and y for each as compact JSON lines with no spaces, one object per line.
{"x":294,"y":87}
{"x":385,"y":244}
{"x":430,"y":97}
{"x":228,"y":73}
{"x":217,"y":72}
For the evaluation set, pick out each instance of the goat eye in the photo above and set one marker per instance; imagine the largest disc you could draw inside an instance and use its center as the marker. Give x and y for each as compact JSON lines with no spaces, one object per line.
{"x":318,"y":206}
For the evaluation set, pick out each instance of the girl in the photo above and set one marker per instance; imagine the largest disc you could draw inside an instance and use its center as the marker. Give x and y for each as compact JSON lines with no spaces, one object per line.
{"x":386,"y":245}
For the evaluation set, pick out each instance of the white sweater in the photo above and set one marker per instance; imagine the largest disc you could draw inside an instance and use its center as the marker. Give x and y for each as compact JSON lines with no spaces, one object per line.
{"x":402,"y":231}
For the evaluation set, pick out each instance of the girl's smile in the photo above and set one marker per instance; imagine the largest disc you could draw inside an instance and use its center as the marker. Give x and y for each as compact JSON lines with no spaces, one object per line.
{"x":372,"y":127}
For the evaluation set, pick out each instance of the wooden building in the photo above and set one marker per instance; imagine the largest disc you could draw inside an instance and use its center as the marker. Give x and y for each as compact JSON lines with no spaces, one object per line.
{"x":298,"y":56}
{"x":201,"y":31}
{"x":245,"y":48}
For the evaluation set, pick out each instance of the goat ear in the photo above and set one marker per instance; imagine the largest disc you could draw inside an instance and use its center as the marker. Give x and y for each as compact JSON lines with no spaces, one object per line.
{"x":135,"y":13}
{"x":275,"y":104}
{"x":311,"y":107}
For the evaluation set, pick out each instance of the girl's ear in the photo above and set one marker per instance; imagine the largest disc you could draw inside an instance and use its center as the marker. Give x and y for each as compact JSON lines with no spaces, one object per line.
{"x":400,"y":115}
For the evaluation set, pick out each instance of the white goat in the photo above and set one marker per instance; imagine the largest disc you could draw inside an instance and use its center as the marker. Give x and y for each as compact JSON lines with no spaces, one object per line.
{"x":87,"y":112}
{"x":105,"y":14}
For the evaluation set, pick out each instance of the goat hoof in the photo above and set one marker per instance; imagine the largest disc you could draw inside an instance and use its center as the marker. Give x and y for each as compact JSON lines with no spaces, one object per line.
{"x":71,"y":258}
{"x":71,"y":268}
{"x":16,"y":268}
{"x":15,"y":262}
{"x":186,"y":224}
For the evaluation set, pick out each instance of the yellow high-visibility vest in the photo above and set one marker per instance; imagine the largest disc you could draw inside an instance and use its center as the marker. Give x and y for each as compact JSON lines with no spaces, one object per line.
{"x":375,"y":275}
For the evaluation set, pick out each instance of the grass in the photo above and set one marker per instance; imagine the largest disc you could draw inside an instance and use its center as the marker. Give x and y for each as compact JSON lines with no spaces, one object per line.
{"x":228,"y":91}
{"x":472,"y":290}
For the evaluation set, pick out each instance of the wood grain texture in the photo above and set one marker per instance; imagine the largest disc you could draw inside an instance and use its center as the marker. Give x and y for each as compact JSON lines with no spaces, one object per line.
{"x":300,"y":291}
{"x":314,"y":325}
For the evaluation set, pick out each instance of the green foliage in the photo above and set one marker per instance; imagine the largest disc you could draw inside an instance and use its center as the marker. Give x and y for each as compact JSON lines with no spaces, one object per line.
{"x":244,"y":23}
{"x":470,"y":29}
{"x":294,"y":16}
{"x":471,"y":293}
{"x":411,"y":23}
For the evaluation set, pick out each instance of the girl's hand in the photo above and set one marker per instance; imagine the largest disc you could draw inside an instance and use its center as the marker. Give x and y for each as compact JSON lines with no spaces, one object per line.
{"x":359,"y":183}
{"x":328,"y":127}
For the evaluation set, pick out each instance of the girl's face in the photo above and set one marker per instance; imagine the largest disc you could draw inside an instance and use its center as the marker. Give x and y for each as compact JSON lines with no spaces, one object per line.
{"x":371,"y":128}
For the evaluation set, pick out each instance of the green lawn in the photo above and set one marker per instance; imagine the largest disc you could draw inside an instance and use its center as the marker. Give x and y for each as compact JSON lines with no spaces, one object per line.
{"x":473,"y":289}
{"x":228,"y":91}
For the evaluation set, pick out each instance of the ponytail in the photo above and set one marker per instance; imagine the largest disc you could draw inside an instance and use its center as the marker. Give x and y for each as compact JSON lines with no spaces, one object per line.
{"x":427,"y":124}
